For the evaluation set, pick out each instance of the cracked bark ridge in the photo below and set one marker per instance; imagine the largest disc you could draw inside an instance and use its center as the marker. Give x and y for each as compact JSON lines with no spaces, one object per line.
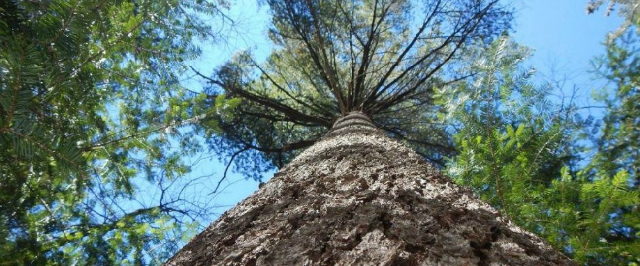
{"x":357,"y":197}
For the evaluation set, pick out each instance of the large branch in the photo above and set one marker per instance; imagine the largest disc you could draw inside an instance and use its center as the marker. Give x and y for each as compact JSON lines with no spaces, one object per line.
{"x":274,"y":118}
{"x":401,"y":95}
{"x":377,"y":88}
{"x":289,"y":112}
{"x":330,"y":73}
{"x":316,"y":58}
{"x":314,"y":107}
{"x":366,"y":53}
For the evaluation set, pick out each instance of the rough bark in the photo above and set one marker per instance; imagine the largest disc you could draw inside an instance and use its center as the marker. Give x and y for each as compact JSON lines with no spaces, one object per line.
{"x":357,"y":197}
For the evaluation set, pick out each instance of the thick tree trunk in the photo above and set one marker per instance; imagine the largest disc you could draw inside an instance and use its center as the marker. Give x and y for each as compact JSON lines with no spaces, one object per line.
{"x":358,"y":197}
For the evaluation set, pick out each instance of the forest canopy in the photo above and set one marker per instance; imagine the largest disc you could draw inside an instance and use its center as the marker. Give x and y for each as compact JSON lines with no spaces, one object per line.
{"x":99,"y":134}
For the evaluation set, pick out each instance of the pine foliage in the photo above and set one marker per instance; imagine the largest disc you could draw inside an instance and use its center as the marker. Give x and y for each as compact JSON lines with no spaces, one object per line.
{"x":383,"y":58}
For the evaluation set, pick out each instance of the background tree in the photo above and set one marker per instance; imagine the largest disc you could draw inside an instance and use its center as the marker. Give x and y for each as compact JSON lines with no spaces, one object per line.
{"x":620,"y":139}
{"x":526,"y":158}
{"x":91,"y":110}
{"x":507,"y":130}
{"x":520,"y":151}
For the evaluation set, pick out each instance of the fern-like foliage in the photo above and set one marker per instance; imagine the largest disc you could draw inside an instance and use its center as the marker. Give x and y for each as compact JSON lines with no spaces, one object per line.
{"x":520,"y":152}
{"x":84,"y":116}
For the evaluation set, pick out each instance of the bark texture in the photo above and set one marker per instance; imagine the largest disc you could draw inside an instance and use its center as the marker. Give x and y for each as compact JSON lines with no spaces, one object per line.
{"x":357,"y":197}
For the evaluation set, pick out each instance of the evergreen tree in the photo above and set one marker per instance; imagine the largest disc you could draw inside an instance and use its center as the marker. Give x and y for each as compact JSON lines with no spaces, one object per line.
{"x":357,"y":197}
{"x":519,"y":151}
{"x":620,"y":140}
{"x":89,"y":103}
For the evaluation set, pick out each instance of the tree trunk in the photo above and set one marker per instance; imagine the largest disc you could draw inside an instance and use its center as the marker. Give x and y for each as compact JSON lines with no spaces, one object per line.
{"x":358,"y":197}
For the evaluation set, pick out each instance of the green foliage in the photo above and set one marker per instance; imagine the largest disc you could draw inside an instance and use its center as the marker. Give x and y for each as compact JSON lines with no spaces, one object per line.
{"x":518,"y":151}
{"x":331,"y":57}
{"x":628,"y":9}
{"x":92,"y":112}
{"x":89,"y":103}
{"x":619,"y":144}
{"x":594,"y":220}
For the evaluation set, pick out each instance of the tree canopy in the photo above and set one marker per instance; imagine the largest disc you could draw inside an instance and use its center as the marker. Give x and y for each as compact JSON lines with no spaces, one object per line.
{"x":384,"y":58}
{"x":88,"y":96}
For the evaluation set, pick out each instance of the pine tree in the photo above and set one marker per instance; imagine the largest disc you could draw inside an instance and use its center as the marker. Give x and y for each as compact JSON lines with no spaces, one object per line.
{"x":357,"y":197}
{"x":344,"y":77}
{"x":385,"y":58}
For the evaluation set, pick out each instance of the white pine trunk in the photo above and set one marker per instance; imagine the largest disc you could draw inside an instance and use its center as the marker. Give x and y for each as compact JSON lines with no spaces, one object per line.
{"x":357,"y":197}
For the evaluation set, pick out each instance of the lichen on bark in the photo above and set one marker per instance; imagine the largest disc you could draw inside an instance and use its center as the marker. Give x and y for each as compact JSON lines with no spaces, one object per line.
{"x":357,"y":197}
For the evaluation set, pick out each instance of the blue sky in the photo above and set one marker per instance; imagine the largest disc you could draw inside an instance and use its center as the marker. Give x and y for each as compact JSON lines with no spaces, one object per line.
{"x":564,"y":39}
